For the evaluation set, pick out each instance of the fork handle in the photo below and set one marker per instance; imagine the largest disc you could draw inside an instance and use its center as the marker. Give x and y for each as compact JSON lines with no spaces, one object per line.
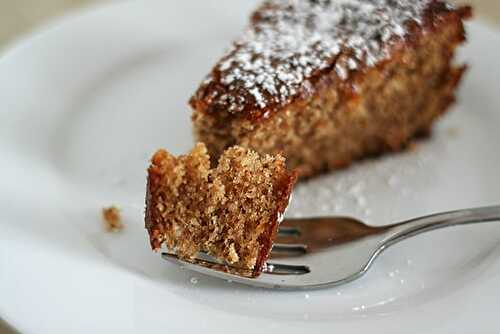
{"x":407,"y":229}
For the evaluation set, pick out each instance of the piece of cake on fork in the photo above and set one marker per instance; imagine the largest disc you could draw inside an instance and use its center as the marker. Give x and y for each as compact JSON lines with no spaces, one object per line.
{"x":326,"y":82}
{"x":231,"y":212}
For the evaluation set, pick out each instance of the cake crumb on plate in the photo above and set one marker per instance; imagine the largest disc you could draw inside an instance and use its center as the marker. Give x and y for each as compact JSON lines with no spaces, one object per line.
{"x":112,"y":219}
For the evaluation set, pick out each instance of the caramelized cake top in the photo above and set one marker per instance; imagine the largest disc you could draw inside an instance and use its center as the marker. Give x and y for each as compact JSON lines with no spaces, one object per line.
{"x":290,"y":43}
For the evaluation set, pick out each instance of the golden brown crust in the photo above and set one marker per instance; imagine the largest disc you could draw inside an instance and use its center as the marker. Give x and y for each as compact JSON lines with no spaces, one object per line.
{"x":207,"y":99}
{"x":377,"y":109}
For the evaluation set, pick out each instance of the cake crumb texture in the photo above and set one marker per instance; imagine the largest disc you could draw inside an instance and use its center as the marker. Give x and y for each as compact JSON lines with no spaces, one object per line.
{"x":231,"y":211}
{"x":328,"y":82}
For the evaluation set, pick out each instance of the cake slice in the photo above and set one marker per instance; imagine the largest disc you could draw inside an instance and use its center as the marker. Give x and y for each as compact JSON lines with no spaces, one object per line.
{"x":231,"y":212}
{"x":327,"y":82}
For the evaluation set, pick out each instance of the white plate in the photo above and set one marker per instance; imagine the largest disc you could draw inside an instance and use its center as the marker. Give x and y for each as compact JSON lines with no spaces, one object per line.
{"x":85,"y":102}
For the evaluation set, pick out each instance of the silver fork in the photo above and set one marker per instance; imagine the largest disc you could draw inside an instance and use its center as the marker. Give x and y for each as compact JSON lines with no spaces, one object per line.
{"x":311,"y":253}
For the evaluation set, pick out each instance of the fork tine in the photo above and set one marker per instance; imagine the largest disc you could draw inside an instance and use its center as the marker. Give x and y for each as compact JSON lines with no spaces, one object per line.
{"x":269,"y":268}
{"x":211,"y":265}
{"x":288,"y":250}
{"x":323,"y":232}
{"x":288,"y":231}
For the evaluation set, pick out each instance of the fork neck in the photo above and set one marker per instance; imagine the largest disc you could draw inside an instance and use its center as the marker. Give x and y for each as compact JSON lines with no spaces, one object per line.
{"x":407,"y":229}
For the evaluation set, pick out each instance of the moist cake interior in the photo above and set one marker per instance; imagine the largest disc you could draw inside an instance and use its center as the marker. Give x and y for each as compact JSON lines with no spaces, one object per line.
{"x":231,"y":211}
{"x":329,"y":82}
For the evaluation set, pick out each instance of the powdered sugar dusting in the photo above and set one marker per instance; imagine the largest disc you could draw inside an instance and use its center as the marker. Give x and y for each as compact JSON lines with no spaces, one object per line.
{"x":291,"y":40}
